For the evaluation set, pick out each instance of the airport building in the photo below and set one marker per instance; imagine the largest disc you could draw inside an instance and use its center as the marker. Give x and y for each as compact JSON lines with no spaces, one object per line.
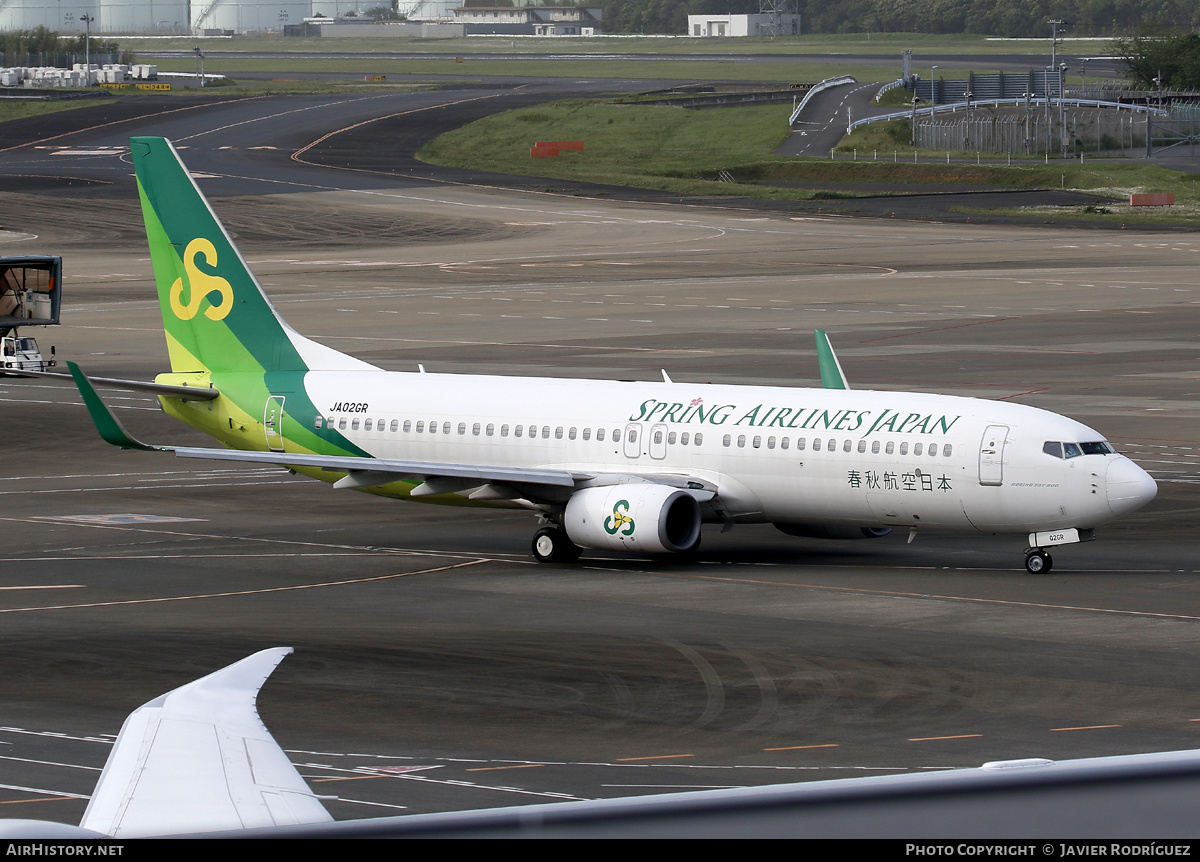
{"x":743,"y":25}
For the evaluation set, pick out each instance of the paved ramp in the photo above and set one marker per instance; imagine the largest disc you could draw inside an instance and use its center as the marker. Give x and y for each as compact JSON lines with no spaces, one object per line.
{"x":823,"y":122}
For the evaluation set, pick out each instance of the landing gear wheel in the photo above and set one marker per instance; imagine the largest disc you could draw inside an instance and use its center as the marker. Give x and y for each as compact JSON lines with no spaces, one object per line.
{"x":552,"y":545}
{"x":1038,"y":563}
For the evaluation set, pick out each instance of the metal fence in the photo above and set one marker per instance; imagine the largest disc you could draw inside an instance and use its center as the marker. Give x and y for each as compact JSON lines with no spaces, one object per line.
{"x":1034,"y":133}
{"x":37,"y":59}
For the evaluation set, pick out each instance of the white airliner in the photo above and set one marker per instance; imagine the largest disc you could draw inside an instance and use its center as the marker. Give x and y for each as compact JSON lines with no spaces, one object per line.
{"x":605,"y":465}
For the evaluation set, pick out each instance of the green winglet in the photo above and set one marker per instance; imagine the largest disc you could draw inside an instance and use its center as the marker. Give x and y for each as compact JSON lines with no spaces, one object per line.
{"x":831,"y":370}
{"x":107,"y":424}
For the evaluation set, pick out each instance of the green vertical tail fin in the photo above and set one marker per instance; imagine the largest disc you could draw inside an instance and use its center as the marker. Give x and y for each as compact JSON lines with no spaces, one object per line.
{"x":831,"y":370}
{"x":216,"y":316}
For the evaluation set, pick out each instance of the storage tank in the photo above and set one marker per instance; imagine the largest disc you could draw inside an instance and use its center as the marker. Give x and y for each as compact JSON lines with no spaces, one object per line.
{"x":141,"y":16}
{"x":243,"y":16}
{"x":61,"y":16}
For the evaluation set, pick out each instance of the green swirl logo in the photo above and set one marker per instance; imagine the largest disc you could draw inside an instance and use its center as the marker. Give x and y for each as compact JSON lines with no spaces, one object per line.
{"x":619,"y":519}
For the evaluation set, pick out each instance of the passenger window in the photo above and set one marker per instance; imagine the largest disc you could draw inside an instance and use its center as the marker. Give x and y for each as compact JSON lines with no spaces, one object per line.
{"x":847,"y":445}
{"x":816,"y":444}
{"x":799,"y":444}
{"x":947,"y":450}
{"x":546,"y":432}
{"x":783,"y":443}
{"x":917,"y":448}
{"x":407,"y":425}
{"x":490,"y":430}
{"x":757,"y":442}
{"x":517,"y":431}
{"x":632,"y":438}
{"x":727,"y":441}
{"x":831,"y":445}
{"x":571,"y":434}
{"x":329,"y":421}
{"x":432,"y":427}
{"x":420,"y":427}
{"x":932,"y":450}
{"x":318,"y":422}
{"x":1052,"y":447}
{"x":395,"y":425}
{"x":587,"y":433}
{"x":891,"y":447}
{"x":462,"y":428}
{"x":862,"y":446}
{"x":616,"y":435}
{"x":353,"y":424}
{"x":342,"y":424}
{"x":770,"y":442}
{"x":600,"y":435}
{"x":683,"y":438}
{"x":367,"y":425}
{"x":475,"y":429}
{"x":903,"y":448}
{"x":698,"y":439}
{"x":446,"y":428}
{"x":875,"y":447}
{"x":503,"y":430}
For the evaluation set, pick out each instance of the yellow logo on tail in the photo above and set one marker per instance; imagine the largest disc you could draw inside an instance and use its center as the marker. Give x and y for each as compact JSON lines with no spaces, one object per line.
{"x":201,"y":284}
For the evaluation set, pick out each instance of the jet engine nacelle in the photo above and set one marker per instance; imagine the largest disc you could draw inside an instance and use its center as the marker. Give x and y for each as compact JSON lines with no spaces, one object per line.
{"x":654,"y":519}
{"x":822,"y":531}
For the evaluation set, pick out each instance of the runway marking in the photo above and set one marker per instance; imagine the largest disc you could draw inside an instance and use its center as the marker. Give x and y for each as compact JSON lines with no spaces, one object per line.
{"x":52,"y":763}
{"x":47,"y":795}
{"x":246,"y":592}
{"x":652,"y":757}
{"x":1089,"y":727}
{"x":498,"y":768}
{"x":123,"y":518}
{"x":44,"y":586}
{"x":802,"y":747}
{"x":938,"y":738}
{"x":971,"y":599}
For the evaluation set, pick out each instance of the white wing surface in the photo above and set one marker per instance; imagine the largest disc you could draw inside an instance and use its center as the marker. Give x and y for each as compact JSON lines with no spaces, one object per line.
{"x":199,"y":759}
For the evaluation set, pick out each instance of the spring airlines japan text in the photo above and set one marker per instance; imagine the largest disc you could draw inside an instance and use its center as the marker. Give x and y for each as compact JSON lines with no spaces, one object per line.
{"x":796,"y":418}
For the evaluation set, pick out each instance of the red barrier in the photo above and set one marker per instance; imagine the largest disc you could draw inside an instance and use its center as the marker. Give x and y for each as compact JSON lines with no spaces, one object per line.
{"x":538,"y":150}
{"x":562,"y":145}
{"x":1161,"y":199}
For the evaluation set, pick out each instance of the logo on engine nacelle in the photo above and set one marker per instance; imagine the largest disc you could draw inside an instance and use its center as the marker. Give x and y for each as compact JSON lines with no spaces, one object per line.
{"x":619,"y":518}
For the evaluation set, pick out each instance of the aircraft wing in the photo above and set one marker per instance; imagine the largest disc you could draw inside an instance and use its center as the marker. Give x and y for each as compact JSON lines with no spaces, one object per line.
{"x":199,"y":756}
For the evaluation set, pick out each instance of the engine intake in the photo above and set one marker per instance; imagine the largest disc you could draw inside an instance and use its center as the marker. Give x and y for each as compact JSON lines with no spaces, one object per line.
{"x":654,"y":519}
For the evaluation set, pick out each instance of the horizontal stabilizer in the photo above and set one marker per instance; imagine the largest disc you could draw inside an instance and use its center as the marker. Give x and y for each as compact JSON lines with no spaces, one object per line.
{"x":199,"y":759}
{"x":196,"y":393}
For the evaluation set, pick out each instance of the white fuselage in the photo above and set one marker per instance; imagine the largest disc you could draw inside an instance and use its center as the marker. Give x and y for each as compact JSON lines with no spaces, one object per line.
{"x":780,"y":455}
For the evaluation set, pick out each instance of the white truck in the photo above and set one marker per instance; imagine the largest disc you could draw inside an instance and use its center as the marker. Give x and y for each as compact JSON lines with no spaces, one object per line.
{"x":30,"y":292}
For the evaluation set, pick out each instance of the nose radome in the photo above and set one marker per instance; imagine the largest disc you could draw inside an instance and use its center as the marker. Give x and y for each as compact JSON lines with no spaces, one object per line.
{"x":1128,"y":486}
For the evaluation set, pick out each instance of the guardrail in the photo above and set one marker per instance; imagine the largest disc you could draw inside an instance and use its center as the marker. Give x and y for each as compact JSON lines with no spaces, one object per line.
{"x":996,"y":103}
{"x":828,"y":83}
{"x":899,"y":82}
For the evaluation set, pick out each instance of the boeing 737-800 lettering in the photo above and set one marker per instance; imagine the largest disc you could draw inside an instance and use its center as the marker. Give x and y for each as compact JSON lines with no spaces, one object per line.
{"x":606,"y":465}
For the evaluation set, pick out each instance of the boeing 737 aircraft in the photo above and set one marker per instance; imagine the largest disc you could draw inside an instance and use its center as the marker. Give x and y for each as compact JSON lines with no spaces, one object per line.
{"x":605,"y":465}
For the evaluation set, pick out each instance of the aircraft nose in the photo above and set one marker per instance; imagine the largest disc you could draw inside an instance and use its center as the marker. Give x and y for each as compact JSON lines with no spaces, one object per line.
{"x":1128,"y":486}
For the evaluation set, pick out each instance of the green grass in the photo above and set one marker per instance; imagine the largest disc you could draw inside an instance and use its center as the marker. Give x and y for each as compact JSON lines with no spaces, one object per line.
{"x":685,"y":151}
{"x":16,"y":109}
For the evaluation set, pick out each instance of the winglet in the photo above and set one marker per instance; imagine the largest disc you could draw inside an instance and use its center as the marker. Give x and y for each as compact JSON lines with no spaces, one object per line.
{"x":831,"y":370}
{"x":199,"y":759}
{"x":107,"y":424}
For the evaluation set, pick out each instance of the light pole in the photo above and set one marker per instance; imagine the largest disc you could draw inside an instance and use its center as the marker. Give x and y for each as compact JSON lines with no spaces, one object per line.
{"x":87,"y":47}
{"x":932,"y":79}
{"x":200,"y":61}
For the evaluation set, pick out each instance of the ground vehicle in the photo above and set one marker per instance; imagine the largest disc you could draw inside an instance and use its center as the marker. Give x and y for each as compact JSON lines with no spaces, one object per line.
{"x":30,"y":290}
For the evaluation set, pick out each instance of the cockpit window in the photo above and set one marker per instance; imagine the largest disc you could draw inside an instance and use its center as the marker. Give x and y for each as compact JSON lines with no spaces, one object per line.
{"x":1074,"y":450}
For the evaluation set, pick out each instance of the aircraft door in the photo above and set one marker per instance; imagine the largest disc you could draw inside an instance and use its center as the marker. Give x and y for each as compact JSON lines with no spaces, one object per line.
{"x":991,"y":455}
{"x":658,"y":441}
{"x":273,"y":422}
{"x":633,"y":440}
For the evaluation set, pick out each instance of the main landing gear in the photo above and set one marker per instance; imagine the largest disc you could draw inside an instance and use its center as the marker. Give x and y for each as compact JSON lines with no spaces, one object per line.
{"x":1038,"y":562}
{"x":553,"y":545}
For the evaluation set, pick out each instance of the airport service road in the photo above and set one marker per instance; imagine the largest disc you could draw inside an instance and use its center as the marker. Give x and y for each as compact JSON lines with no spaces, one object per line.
{"x":438,"y":668}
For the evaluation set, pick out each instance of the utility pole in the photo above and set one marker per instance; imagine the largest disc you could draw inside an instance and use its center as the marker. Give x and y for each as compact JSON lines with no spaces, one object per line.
{"x":87,"y":46}
{"x":200,"y":60}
